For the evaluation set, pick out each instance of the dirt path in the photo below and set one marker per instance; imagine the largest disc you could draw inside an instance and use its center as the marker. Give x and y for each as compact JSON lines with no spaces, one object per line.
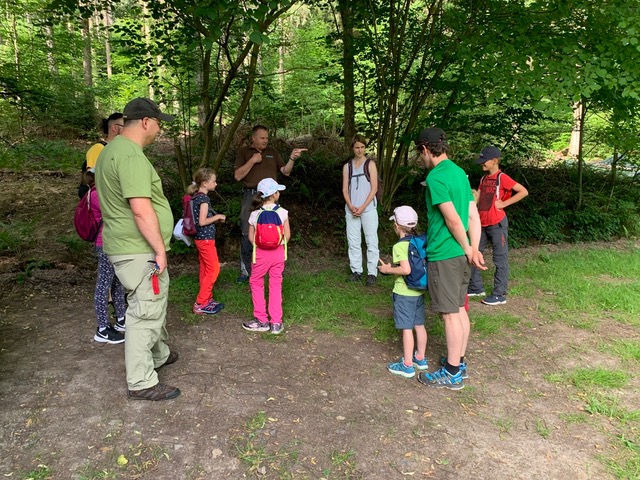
{"x":330,"y":408}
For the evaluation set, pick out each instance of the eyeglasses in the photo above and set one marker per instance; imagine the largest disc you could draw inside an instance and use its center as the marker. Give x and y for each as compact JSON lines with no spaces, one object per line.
{"x":158,"y":121}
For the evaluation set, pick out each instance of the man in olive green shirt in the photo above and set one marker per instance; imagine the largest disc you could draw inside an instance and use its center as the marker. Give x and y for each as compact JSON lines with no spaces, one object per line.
{"x":137,"y":228}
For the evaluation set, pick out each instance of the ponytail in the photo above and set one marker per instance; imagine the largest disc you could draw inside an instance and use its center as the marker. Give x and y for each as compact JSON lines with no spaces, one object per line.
{"x":202,"y":175}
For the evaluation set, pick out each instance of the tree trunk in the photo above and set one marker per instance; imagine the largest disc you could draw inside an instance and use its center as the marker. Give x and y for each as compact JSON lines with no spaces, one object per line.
{"x":87,"y":54}
{"x":107,"y":40}
{"x":147,"y":41}
{"x":574,"y":143}
{"x":346,"y":16}
{"x":231,"y":130}
{"x":583,"y":113}
{"x":51,"y":61}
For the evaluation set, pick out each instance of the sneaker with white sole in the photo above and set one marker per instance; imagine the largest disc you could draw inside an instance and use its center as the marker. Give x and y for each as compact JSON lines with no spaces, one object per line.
{"x":210,"y":308}
{"x":495,"y":300}
{"x":420,"y":365}
{"x":109,"y":335}
{"x":399,"y":368}
{"x":462,"y":366}
{"x":119,"y":326}
{"x":256,"y":325}
{"x":442,"y":379}
{"x":477,"y":294}
{"x":277,"y":328}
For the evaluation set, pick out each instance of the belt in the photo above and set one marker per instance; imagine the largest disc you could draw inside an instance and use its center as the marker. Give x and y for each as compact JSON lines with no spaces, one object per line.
{"x":252,"y":190}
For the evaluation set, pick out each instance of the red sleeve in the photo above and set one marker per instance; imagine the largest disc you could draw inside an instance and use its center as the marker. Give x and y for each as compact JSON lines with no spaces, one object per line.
{"x":506,"y":182}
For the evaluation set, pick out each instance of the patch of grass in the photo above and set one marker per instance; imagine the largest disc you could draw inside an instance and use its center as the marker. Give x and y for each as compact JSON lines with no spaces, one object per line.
{"x":343,"y":462}
{"x":586,"y":280}
{"x":15,"y":237}
{"x":31,"y":266}
{"x":487,"y":324}
{"x":75,"y":244}
{"x":542,"y":429}
{"x":89,"y":472}
{"x":504,"y":425}
{"x":610,"y":408}
{"x":589,"y":378}
{"x":41,"y":472}
{"x":626,"y":350}
{"x":260,"y":457}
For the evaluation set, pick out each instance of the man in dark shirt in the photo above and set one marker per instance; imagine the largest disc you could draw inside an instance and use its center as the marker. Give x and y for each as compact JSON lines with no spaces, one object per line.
{"x":254,"y":163}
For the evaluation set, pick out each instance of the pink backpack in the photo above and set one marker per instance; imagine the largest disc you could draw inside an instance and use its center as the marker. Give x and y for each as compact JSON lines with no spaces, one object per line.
{"x":83,"y":219}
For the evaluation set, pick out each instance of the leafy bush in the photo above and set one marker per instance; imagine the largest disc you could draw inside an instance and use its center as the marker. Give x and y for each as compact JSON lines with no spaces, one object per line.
{"x":41,"y":154}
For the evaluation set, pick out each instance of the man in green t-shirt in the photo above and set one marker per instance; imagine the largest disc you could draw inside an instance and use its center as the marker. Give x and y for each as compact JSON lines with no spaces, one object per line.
{"x":138,"y":224}
{"x":451,"y":211}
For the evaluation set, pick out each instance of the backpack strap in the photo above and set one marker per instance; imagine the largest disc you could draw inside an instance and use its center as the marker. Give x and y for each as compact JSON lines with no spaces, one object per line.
{"x":498,"y":186}
{"x":367,"y":175}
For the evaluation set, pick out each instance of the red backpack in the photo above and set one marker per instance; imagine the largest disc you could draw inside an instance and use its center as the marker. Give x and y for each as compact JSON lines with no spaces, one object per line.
{"x":83,"y":219}
{"x":269,"y":229}
{"x":189,"y":228}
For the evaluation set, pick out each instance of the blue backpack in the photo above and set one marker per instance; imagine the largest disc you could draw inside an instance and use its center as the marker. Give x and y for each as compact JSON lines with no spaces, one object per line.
{"x":417,"y":279}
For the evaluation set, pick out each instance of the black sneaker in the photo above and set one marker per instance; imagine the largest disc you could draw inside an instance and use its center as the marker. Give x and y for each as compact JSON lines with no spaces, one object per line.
{"x":355,"y":277}
{"x":119,"y":325}
{"x":371,"y":280}
{"x":108,"y":335}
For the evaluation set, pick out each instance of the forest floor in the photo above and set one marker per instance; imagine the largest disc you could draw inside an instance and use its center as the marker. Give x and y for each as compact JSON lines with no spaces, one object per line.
{"x":309,"y":405}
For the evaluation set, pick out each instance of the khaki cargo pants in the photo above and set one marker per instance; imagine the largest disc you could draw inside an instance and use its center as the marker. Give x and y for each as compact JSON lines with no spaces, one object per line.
{"x":146,"y":334}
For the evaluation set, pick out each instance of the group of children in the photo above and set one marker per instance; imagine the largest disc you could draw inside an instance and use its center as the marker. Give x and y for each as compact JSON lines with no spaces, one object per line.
{"x":268,"y":233}
{"x":497,"y":191}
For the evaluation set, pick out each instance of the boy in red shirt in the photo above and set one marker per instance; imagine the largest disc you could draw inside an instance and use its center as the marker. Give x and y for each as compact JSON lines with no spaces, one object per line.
{"x":497,"y":191}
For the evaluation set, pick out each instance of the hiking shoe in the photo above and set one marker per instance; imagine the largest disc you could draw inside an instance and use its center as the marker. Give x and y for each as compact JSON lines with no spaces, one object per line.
{"x":209,"y":308}
{"x":371,"y":280}
{"x":495,"y":300}
{"x":462,"y":366}
{"x":420,"y":364}
{"x":441,"y":379}
{"x":172,"y":358}
{"x":119,"y":325}
{"x":277,"y":328}
{"x":109,"y":335}
{"x":216,"y":305}
{"x":355,"y":277}
{"x":399,"y":368}
{"x":155,"y":393}
{"x":477,"y":294}
{"x":256,"y":325}
{"x":242,"y":279}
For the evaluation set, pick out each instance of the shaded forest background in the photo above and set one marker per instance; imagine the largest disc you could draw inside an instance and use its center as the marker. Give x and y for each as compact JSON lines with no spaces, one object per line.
{"x":552,"y":84}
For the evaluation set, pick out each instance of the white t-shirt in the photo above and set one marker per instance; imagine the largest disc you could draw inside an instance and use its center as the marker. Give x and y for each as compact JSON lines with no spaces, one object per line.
{"x":282,"y":213}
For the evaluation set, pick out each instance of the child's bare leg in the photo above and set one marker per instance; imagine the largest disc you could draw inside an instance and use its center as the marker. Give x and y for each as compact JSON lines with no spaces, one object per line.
{"x":421,"y":341}
{"x":407,"y":343}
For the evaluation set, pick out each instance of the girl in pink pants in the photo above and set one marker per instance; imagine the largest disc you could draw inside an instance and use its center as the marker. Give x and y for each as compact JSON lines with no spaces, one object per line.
{"x":267,"y":259}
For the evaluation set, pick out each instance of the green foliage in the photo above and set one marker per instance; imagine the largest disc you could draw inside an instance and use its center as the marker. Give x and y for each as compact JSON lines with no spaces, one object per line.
{"x":15,"y":237}
{"x":42,"y":154}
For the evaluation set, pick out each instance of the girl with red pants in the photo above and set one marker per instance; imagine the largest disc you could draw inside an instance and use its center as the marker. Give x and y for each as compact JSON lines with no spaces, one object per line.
{"x":204,"y":181}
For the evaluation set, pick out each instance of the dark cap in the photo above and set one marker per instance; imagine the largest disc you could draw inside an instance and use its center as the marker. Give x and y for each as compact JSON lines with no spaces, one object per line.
{"x":432,"y":135}
{"x":143,"y":107}
{"x":488,"y":153}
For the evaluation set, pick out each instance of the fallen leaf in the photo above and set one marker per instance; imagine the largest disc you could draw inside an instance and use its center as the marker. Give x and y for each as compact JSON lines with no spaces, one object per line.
{"x":122,"y":460}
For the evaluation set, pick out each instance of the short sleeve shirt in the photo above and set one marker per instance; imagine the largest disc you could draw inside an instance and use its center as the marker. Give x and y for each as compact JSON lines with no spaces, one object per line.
{"x":282,"y":213}
{"x":92,"y":154}
{"x":267,"y":168}
{"x":208,"y":232}
{"x":446,"y":182}
{"x":401,"y":252}
{"x":124,"y":172}
{"x":488,"y":190}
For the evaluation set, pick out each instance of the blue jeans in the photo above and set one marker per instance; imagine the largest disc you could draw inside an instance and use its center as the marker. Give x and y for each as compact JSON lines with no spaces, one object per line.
{"x":499,"y":237}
